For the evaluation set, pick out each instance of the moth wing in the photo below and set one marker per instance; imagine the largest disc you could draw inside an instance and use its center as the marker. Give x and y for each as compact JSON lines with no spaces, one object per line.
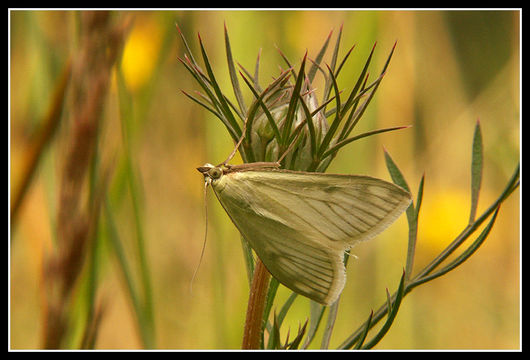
{"x":300,"y":224}
{"x":295,"y":260}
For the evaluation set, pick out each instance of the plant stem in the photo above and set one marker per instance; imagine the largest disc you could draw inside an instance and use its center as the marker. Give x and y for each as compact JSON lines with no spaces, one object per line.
{"x":423,"y":276}
{"x":35,"y":151}
{"x":256,"y":305}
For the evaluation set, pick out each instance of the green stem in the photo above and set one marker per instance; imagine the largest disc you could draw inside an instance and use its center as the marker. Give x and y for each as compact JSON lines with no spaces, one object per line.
{"x":422,"y":276}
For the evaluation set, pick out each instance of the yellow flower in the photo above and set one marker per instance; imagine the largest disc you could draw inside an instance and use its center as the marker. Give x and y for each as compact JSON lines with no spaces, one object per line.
{"x":141,"y":53}
{"x":443,"y":217}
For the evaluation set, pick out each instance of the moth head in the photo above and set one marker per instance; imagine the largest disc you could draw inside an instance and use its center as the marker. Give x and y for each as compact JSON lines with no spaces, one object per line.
{"x":210,"y":172}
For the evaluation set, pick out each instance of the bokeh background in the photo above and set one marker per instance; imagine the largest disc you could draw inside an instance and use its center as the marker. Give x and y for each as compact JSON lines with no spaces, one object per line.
{"x":450,"y":69}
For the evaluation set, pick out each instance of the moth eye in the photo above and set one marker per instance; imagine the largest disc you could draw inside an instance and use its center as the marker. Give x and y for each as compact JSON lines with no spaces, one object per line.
{"x":215,"y":173}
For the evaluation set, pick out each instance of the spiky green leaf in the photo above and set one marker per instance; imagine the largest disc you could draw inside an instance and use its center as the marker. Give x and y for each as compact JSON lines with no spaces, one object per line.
{"x":476,"y":171}
{"x":233,"y":75}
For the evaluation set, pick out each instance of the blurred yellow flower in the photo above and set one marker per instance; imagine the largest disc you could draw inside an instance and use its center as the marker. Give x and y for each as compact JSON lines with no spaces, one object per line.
{"x":443,"y":216}
{"x":140,"y":53}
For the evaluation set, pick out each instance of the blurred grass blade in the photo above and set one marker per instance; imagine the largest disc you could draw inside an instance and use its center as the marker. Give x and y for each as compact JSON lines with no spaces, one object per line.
{"x":476,"y":171}
{"x":34,"y":153}
{"x":126,"y":117}
{"x":330,"y":323}
{"x":249,"y":259}
{"x":233,"y":75}
{"x":97,"y":195}
{"x":91,"y":331}
{"x":391,"y":314}
{"x":316,"y":312}
{"x":118,"y":250}
{"x":333,"y":311}
{"x":360,"y":342}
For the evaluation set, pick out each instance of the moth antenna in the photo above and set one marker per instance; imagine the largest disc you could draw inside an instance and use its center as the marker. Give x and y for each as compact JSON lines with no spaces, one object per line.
{"x":233,"y":153}
{"x":205,"y":236}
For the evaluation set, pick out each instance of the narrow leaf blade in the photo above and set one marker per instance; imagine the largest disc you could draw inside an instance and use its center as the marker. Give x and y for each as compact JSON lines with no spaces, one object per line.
{"x":465,"y":255}
{"x":476,"y":171}
{"x":338,"y":117}
{"x":298,"y":339}
{"x":310,"y":127}
{"x":316,"y":313}
{"x":221,"y":98}
{"x":364,"y":333}
{"x":342,"y":143}
{"x":395,"y":173}
{"x":293,"y":103}
{"x":392,"y":312}
{"x":233,"y":75}
{"x":313,"y":69}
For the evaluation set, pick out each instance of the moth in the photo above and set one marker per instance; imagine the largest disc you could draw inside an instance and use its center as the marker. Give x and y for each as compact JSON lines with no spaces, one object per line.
{"x":301,"y":223}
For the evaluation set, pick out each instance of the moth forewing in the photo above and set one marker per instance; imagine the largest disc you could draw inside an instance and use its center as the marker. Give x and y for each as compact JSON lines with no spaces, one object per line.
{"x":300,"y":224}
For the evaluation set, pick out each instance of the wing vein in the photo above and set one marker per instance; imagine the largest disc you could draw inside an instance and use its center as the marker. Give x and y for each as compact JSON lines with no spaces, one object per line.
{"x":290,"y":210}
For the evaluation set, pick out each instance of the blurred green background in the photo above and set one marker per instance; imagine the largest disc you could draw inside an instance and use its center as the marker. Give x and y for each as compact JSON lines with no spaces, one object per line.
{"x":450,"y":68}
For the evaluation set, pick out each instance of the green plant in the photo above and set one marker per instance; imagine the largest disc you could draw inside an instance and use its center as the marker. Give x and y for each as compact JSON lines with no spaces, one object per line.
{"x":286,"y":115}
{"x":90,"y":189}
{"x":101,"y":41}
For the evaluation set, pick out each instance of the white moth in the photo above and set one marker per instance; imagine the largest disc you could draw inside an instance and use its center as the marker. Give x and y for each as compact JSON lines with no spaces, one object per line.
{"x":300,"y":223}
